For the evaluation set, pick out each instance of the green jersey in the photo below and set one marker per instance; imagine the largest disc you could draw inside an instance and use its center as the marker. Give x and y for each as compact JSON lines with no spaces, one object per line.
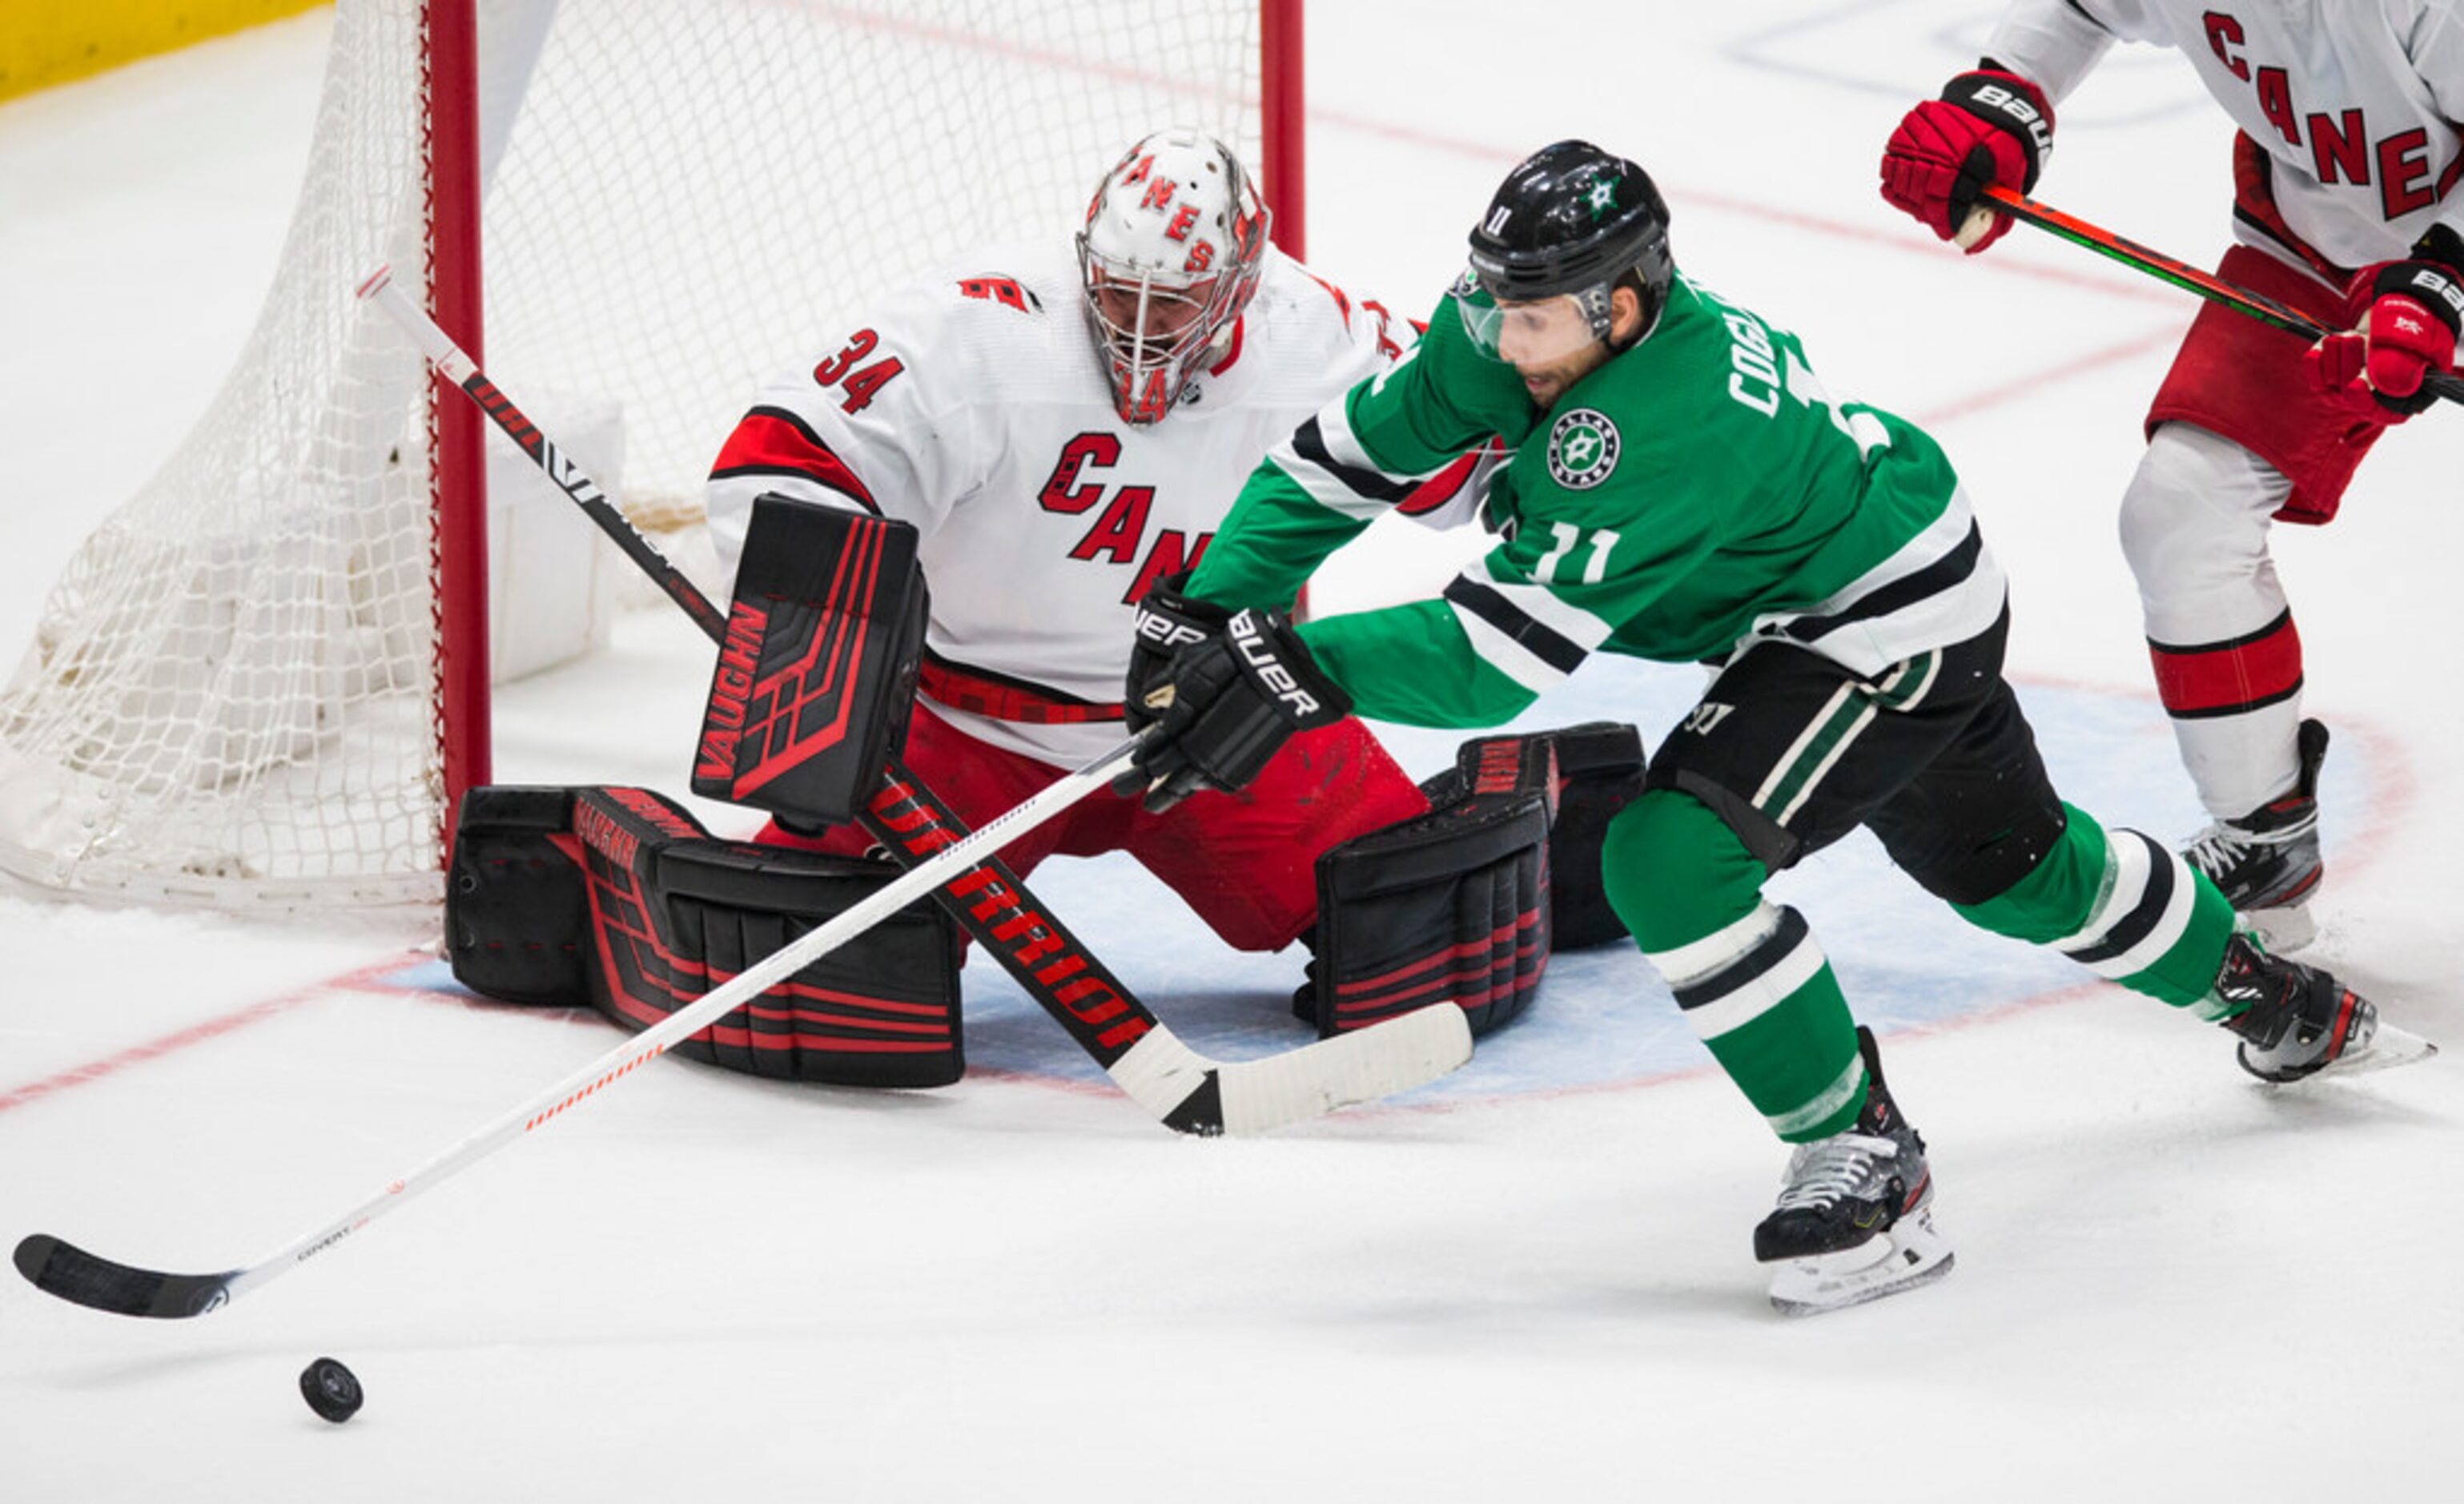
{"x":1696,"y":493}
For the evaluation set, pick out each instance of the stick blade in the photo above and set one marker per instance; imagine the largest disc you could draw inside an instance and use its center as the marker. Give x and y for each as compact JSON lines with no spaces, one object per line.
{"x":75,"y":1275}
{"x":1378,"y":1061}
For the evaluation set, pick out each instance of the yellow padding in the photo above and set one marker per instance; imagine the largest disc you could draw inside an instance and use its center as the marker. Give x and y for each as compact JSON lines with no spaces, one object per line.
{"x":44,"y":42}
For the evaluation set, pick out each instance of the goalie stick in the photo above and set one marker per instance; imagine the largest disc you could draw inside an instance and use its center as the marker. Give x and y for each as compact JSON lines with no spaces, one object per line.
{"x":2155,"y":263}
{"x":988,"y":900}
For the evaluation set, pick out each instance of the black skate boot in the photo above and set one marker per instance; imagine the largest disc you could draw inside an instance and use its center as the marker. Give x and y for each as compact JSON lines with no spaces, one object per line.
{"x":2299,"y":1020}
{"x":1855,"y":1219}
{"x":2267,"y":862}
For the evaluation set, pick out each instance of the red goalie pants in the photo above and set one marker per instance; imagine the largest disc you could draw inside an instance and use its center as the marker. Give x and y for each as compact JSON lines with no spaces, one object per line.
{"x":1246,"y":863}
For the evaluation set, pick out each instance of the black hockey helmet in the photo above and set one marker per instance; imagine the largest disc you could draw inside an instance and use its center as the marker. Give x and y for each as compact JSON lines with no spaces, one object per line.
{"x":1575,"y":220}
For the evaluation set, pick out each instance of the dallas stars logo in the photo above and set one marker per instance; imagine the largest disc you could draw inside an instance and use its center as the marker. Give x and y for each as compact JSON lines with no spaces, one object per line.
{"x":1582,"y":448}
{"x":1603,"y":196}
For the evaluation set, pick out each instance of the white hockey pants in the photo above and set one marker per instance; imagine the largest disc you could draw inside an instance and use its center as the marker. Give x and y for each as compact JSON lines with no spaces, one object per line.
{"x":2194,"y":526}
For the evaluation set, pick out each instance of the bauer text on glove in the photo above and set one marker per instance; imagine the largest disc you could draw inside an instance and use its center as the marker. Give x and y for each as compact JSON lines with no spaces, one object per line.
{"x":1990,"y":128}
{"x":2407,"y":318}
{"x":1167,"y":621}
{"x":1229,"y":704}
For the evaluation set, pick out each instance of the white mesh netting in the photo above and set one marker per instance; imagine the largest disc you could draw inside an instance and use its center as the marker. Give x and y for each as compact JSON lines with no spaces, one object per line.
{"x":231,"y":694}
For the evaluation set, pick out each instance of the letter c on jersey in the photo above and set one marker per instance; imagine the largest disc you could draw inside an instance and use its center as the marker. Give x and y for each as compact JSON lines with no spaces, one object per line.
{"x":1101,"y":449}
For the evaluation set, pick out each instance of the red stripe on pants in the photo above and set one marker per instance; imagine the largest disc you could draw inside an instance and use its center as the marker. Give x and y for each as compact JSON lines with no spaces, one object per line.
{"x":2222,"y":678}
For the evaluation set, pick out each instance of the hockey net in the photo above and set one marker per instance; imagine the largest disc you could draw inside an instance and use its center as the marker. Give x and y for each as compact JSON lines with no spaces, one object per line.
{"x":233,"y":695}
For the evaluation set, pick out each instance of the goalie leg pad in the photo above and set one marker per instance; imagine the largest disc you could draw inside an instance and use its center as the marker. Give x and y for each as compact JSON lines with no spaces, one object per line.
{"x":657,"y":913}
{"x":1450,"y":905}
{"x":516,"y":914}
{"x":1600,"y":772}
{"x":817,"y":673}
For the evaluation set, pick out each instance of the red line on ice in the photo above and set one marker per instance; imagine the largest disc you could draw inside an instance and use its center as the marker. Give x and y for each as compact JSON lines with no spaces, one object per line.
{"x":358,"y":979}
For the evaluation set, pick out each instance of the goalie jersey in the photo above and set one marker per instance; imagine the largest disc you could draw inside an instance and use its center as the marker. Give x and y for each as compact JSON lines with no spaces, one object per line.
{"x":973,"y":405}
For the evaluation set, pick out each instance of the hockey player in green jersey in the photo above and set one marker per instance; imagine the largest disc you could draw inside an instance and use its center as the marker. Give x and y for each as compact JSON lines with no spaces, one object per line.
{"x":1678,"y":485}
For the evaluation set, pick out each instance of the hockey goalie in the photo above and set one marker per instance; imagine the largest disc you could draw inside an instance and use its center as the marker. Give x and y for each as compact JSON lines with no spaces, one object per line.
{"x":947,"y":530}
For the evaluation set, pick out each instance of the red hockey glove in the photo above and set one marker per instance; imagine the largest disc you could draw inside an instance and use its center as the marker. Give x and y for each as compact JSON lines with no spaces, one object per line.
{"x":1989,"y":128}
{"x":2406,"y":316}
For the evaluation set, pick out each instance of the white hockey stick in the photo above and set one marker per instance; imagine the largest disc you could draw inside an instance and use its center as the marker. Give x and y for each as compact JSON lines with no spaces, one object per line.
{"x":1178,"y":1085}
{"x":71,"y":1274}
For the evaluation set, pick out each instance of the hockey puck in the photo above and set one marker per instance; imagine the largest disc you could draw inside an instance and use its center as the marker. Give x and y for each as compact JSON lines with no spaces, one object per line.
{"x":330,"y":1390}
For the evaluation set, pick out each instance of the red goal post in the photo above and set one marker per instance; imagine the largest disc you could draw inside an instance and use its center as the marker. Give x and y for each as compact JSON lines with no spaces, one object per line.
{"x":264,"y":680}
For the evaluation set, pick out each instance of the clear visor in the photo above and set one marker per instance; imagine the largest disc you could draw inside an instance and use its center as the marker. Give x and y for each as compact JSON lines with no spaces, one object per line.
{"x":1540,"y":333}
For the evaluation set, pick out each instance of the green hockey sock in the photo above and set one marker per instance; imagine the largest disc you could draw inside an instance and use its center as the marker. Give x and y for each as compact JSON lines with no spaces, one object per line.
{"x":2124,"y":906}
{"x":1753,"y":982}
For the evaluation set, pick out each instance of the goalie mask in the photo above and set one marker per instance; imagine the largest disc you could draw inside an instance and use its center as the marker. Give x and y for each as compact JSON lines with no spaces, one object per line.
{"x":1174,"y":240}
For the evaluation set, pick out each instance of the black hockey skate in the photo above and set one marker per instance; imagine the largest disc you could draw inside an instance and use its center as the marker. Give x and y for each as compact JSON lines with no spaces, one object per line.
{"x":1855,"y":1219}
{"x":2300,"y":1021}
{"x":2267,"y":862}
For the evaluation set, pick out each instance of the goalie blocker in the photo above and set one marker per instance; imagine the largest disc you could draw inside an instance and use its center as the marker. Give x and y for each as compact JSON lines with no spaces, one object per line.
{"x":1469,"y":900}
{"x":617,"y":899}
{"x":817,"y":672}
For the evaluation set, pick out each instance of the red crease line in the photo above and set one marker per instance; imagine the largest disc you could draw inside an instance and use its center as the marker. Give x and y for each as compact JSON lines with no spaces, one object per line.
{"x":196,"y":1034}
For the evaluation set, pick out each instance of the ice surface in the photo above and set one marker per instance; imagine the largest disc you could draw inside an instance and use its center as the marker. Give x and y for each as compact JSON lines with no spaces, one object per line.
{"x":1530,"y":1281}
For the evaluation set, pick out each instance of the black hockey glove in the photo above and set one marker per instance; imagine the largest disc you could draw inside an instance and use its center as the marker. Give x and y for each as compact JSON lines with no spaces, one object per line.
{"x":1167,"y":621}
{"x":1229,"y":704}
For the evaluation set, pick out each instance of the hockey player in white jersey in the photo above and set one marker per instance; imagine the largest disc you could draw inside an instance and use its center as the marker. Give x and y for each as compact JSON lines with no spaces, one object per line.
{"x":2349,"y":151}
{"x":1064,"y":429}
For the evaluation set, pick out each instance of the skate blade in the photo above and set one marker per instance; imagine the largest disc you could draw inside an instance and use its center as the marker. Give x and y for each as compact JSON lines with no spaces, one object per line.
{"x":2389,"y":1046}
{"x":1910,"y":1255}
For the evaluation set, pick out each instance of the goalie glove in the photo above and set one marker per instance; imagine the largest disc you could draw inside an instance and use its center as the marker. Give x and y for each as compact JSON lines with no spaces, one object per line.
{"x":1167,"y":621}
{"x":1229,"y":704}
{"x":2406,"y":317}
{"x":1991,"y":128}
